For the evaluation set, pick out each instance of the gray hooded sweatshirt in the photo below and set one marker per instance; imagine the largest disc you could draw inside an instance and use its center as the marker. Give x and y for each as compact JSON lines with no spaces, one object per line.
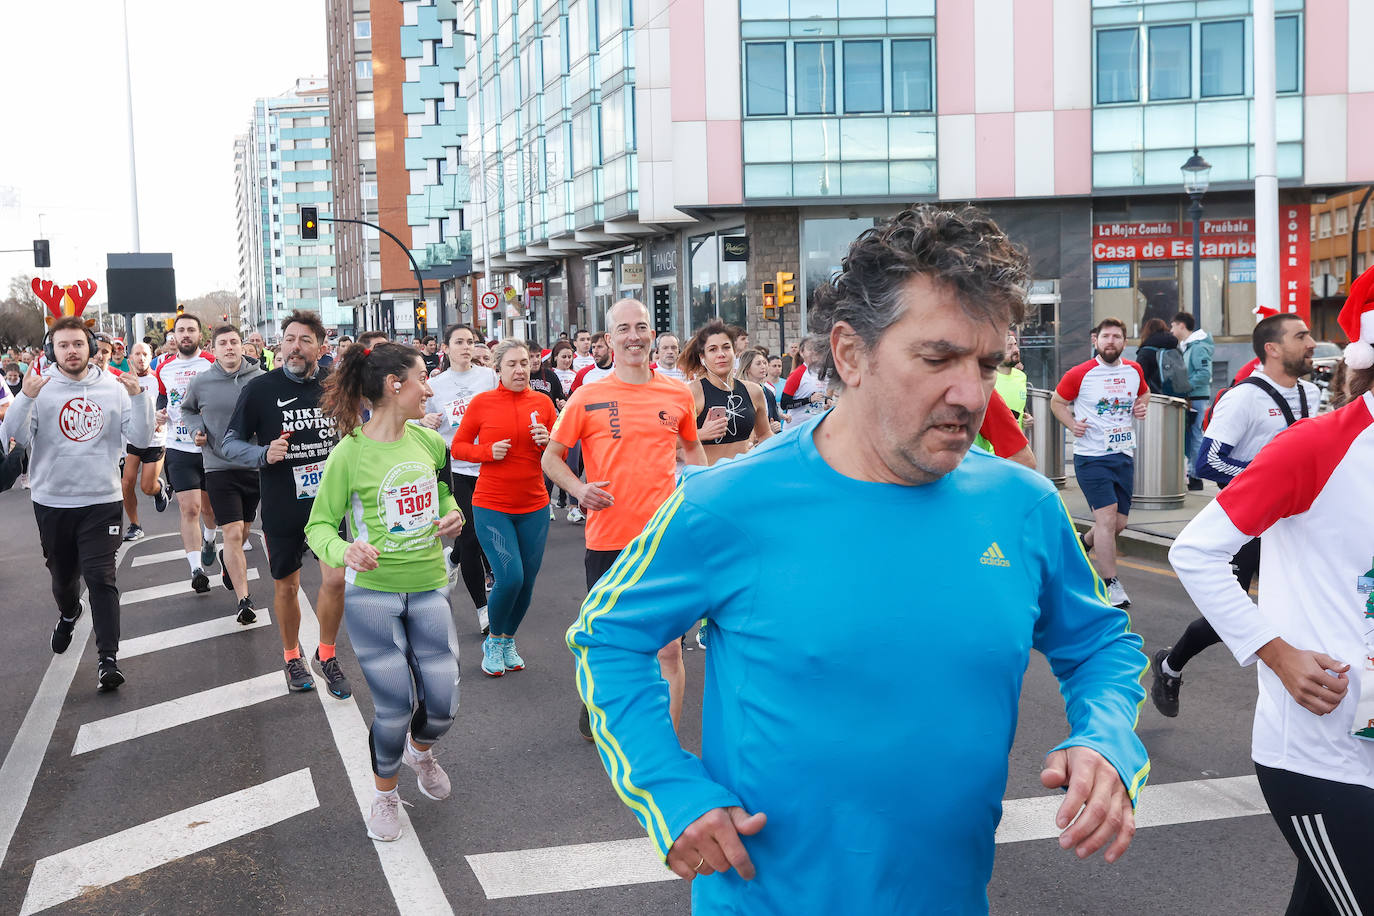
{"x":210,"y":401}
{"x":75,"y":432}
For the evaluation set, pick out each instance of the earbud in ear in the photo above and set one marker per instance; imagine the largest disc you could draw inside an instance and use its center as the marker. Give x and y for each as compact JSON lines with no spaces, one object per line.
{"x":396,"y":386}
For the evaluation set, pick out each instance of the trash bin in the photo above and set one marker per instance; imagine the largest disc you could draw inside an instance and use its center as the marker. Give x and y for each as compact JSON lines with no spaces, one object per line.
{"x":1046,"y":436}
{"x":1160,"y":481}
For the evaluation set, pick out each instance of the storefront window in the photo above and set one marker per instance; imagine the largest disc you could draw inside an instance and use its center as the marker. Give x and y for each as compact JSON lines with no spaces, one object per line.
{"x":732,"y":281}
{"x":703,"y":254}
{"x":825,"y":242}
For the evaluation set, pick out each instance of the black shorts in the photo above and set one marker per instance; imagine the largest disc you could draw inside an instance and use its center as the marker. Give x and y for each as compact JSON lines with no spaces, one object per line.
{"x":185,"y":470}
{"x":597,"y":563}
{"x":1106,"y":480}
{"x":150,"y":455}
{"x":285,"y":553}
{"x":233,"y":494}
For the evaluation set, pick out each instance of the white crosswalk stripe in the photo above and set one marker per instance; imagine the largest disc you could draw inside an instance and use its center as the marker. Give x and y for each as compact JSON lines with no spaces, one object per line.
{"x":154,"y":592}
{"x":192,"y":632}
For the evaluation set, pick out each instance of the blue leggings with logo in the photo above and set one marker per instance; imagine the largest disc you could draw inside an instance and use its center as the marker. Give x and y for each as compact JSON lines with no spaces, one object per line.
{"x":514,"y":545}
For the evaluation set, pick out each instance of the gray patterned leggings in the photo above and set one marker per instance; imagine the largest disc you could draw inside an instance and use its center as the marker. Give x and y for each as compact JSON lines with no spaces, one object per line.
{"x":408,"y":649}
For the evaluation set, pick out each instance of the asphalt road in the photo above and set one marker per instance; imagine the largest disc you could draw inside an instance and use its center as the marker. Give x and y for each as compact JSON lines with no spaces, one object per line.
{"x":523,"y":778}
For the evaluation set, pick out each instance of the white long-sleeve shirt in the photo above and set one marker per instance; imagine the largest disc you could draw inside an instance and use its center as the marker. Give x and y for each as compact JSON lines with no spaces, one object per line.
{"x":1310,"y":493}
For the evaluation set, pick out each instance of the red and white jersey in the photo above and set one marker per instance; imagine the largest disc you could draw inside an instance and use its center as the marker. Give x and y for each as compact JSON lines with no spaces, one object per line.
{"x":588,"y":374}
{"x":1310,"y":493}
{"x":582,"y":362}
{"x":1103,"y":396}
{"x":149,"y":384}
{"x":174,"y":376}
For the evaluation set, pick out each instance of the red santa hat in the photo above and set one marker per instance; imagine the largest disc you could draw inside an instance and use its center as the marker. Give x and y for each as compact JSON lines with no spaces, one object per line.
{"x":1264,"y":311}
{"x":1357,"y":320}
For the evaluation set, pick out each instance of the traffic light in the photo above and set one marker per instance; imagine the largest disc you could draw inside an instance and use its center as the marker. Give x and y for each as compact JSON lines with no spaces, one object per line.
{"x":421,"y":324}
{"x":770,"y":301}
{"x":180,"y":308}
{"x":310,"y":225}
{"x":787,"y":289}
{"x":42,"y":257}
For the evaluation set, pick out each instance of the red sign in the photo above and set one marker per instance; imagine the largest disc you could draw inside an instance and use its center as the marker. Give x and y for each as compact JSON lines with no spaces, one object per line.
{"x":489,"y":300}
{"x":1135,"y":230}
{"x":1295,"y":255}
{"x":1222,"y":227}
{"x":1174,"y":249}
{"x":534,"y":289}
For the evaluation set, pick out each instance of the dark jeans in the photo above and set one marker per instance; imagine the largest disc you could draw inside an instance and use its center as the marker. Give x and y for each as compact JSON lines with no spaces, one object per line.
{"x":467,"y":551}
{"x":514,"y":543}
{"x":1200,"y":634}
{"x":81,"y":544}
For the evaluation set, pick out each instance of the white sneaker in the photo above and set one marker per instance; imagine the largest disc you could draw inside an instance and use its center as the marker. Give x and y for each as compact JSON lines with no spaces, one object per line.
{"x":482,"y":623}
{"x":384,"y":820}
{"x":247,"y":545}
{"x":1116,"y":595}
{"x":430,"y":778}
{"x":575,"y":515}
{"x":553,"y":512}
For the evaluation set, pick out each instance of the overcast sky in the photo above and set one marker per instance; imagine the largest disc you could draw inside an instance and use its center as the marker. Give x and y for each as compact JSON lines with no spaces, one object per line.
{"x":197,"y":68}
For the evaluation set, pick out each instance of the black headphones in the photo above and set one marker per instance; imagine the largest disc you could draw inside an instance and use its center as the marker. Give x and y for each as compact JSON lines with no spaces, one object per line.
{"x":51,"y":354}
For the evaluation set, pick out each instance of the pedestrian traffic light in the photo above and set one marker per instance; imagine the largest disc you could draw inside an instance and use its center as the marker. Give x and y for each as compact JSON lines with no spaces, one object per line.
{"x":42,"y":257}
{"x":180,"y":308}
{"x":787,"y":289}
{"x":421,"y":324}
{"x":770,"y":301}
{"x":310,"y":225}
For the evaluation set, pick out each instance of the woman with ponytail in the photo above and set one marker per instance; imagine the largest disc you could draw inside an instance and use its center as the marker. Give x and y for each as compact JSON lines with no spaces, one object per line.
{"x":391,"y":477}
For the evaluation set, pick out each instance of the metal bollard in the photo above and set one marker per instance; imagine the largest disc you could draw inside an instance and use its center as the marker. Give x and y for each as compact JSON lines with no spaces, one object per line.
{"x":1046,"y":436}
{"x":1160,"y":479}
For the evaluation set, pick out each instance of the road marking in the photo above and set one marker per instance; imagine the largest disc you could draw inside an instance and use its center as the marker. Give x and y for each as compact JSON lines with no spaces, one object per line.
{"x":153,"y":592}
{"x":162,"y":716}
{"x":409,"y":873}
{"x":192,"y":632}
{"x":150,"y":559}
{"x":100,"y":863}
{"x":1145,"y":567}
{"x":583,"y":866}
{"x":25,"y":756}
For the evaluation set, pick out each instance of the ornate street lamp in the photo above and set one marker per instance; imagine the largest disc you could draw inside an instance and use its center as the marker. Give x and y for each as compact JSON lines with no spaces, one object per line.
{"x":1196,"y":172}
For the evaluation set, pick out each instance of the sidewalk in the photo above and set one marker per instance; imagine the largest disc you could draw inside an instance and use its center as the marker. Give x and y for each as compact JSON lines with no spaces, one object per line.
{"x":1150,"y":532}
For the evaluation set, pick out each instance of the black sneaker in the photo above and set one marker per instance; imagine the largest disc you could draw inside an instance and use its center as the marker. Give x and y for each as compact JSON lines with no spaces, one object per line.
{"x":1164,"y":690}
{"x":110,"y":677}
{"x":247,"y":614}
{"x":224,"y":574}
{"x":1194,"y":484}
{"x":562,"y":500}
{"x":200,"y":583}
{"x":62,"y":633}
{"x":584,"y":724}
{"x":163,"y":496}
{"x":298,"y":676}
{"x":335,"y":682}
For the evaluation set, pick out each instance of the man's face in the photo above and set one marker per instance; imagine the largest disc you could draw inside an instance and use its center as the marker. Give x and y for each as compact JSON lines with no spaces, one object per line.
{"x":668,"y":350}
{"x":1295,"y":347}
{"x":343,"y":346}
{"x":229,"y":351}
{"x":299,"y":349}
{"x":924,"y":388}
{"x":256,"y":338}
{"x":481,"y":355}
{"x":601,"y":352}
{"x":1013,"y":351}
{"x":118,"y":351}
{"x":103,"y":349}
{"x":774,"y":368}
{"x":1111,"y":340}
{"x":72,"y":350}
{"x":1179,"y":330}
{"x":741,"y":343}
{"x":631,"y":336}
{"x":186,"y":335}
{"x":582,"y":342}
{"x":139,"y":357}
{"x":12,"y":377}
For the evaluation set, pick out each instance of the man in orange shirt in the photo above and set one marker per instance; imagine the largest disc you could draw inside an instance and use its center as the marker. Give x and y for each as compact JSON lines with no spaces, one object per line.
{"x":630,"y":424}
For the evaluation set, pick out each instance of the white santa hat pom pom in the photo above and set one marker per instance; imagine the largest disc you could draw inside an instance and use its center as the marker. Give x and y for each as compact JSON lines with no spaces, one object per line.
{"x":1359,"y":354}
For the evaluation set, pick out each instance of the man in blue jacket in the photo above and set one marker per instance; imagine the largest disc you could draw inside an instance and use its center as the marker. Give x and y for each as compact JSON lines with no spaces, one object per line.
{"x":1197,"y":346}
{"x":869,"y":777}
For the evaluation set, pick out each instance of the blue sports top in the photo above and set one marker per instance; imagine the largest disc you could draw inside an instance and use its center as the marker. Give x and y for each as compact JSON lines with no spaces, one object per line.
{"x":881,"y":764}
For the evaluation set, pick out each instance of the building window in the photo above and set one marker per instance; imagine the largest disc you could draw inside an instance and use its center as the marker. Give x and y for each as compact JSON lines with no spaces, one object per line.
{"x":863,"y":77}
{"x":814,"y":71}
{"x":1118,"y":66}
{"x":364,"y":69}
{"x":369,"y":190}
{"x":1313,"y":224}
{"x":1324,"y":226}
{"x":765,"y":73}
{"x":1286,"y":54}
{"x":911,"y":75}
{"x":362,"y":28}
{"x":1171,"y":56}
{"x":366,"y":111}
{"x":1342,"y":221}
{"x":1223,"y":58}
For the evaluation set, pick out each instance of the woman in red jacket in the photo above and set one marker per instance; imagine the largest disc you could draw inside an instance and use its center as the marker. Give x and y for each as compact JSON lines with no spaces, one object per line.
{"x":506,"y":429}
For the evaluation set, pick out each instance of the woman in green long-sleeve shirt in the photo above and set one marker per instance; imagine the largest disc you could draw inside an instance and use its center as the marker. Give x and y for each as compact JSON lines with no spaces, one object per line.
{"x":390,"y":477}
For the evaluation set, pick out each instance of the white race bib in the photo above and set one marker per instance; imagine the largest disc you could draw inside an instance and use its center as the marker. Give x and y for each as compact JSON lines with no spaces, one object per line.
{"x":454,"y":411}
{"x":1120,"y":438}
{"x":182,"y":433}
{"x":308,"y":480}
{"x":412,"y":507}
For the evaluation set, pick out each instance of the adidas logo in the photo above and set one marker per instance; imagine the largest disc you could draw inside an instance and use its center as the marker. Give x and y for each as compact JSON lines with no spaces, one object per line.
{"x":994,"y":556}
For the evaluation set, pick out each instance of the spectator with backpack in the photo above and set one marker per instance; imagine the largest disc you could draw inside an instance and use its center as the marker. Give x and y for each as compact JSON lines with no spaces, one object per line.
{"x":1155,"y":342}
{"x":1197,"y":348}
{"x":1245,"y":418}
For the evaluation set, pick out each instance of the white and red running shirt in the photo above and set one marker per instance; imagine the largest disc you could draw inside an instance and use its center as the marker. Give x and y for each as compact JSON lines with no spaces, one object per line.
{"x":173,"y":376}
{"x":149,"y":384}
{"x":1103,"y":396}
{"x":1310,"y":493}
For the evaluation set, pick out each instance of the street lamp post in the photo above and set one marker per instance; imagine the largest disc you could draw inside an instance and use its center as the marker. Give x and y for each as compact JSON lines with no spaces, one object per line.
{"x":1195,"y":179}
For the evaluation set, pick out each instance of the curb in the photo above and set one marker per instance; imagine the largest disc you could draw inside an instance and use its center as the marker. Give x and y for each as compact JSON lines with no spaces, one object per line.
{"x":1140,"y":545}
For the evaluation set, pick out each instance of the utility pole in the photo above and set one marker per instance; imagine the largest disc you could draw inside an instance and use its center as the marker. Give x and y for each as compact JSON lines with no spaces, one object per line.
{"x":133,"y":166}
{"x":1267,"y":292}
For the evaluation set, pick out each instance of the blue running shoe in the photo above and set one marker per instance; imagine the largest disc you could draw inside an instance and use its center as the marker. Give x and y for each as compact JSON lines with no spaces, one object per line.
{"x":512,"y":658}
{"x":493,"y":657}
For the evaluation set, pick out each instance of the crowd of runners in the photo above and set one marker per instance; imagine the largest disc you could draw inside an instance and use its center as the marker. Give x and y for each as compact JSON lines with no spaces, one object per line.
{"x":404,"y":470}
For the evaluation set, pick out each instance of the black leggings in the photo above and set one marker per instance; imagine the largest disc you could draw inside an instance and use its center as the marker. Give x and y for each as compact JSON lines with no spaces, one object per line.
{"x":1327,"y":825}
{"x":467,"y":552}
{"x":81,"y":544}
{"x":1200,"y":635}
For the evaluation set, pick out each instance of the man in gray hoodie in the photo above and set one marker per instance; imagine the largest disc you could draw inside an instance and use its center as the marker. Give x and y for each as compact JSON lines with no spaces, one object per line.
{"x":232,"y":487}
{"x":75,"y":419}
{"x":1197,"y":346}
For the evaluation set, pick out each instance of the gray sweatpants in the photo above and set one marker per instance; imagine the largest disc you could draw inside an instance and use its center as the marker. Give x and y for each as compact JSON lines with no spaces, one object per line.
{"x":407,"y":647}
